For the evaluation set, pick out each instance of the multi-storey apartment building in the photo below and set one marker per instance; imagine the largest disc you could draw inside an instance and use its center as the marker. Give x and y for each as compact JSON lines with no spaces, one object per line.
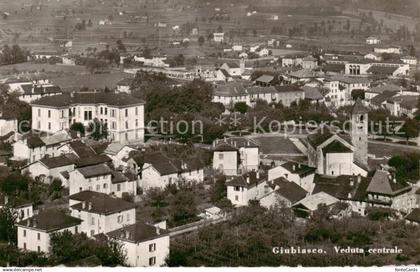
{"x":122,"y":113}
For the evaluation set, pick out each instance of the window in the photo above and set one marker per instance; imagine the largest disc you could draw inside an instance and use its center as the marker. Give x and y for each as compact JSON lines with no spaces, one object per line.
{"x":98,"y":187}
{"x":24,"y":233}
{"x":236,"y":198}
{"x":92,"y":232}
{"x":39,"y":249}
{"x":126,"y":125}
{"x":152,"y":247}
{"x":221,"y":156}
{"x":101,"y":110}
{"x":76,"y":230}
{"x":237,"y":188}
{"x":49,"y":126}
{"x":24,"y":246}
{"x":120,"y":218}
{"x":39,"y":112}
{"x":105,"y":185}
{"x":137,"y":111}
{"x":137,"y":123}
{"x":152,"y":261}
{"x":106,"y":111}
{"x":118,"y":187}
{"x":114,"y":125}
{"x":92,"y":221}
{"x":126,"y":112}
{"x":39,"y":236}
{"x":80,"y":189}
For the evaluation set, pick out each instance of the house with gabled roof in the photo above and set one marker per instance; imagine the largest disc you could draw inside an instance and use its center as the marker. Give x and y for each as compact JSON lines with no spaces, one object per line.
{"x":49,"y":168}
{"x":145,"y":245}
{"x":385,"y":190}
{"x":299,"y":173}
{"x":307,"y":206}
{"x":235,"y":155}
{"x":159,"y":171}
{"x":34,"y":233}
{"x":101,"y":213}
{"x":285,"y":193}
{"x":249,"y":186}
{"x":101,"y":178}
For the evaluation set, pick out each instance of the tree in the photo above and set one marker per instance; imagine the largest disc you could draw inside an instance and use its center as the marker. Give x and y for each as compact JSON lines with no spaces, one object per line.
{"x":67,"y":247}
{"x":78,"y":127}
{"x":98,"y":130}
{"x":121,"y":46}
{"x":8,"y":230}
{"x":14,"y":184}
{"x":218,"y":191}
{"x":201,"y":41}
{"x":410,"y":129}
{"x":183,"y":207}
{"x":241,"y":107}
{"x":357,"y":93}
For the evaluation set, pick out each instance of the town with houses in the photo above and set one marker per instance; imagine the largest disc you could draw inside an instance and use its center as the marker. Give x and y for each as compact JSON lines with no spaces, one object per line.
{"x":303,"y":142}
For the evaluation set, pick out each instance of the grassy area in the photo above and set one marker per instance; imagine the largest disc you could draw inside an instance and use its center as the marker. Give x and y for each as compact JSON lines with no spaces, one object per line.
{"x":41,"y":68}
{"x":92,"y":81}
{"x":382,"y":150}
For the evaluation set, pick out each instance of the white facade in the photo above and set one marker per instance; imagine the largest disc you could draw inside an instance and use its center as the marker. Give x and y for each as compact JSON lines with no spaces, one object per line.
{"x":33,"y":239}
{"x":125,"y":123}
{"x":226,"y":162}
{"x":218,"y":37}
{"x":7,"y":126}
{"x":95,"y":223}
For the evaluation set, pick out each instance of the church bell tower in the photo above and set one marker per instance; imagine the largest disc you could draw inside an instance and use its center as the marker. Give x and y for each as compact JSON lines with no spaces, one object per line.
{"x":359,"y":131}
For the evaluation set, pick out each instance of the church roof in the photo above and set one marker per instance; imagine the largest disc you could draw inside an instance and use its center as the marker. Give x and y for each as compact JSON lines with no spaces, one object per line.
{"x":336,"y":147}
{"x":359,"y":108}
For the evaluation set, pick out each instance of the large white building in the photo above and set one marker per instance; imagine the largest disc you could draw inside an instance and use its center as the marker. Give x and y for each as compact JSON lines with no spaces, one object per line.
{"x":123,"y":114}
{"x":101,"y":178}
{"x":100,"y":212}
{"x":34,"y":233}
{"x":144,"y":244}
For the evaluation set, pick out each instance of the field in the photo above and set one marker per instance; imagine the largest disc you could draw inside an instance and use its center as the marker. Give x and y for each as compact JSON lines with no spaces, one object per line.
{"x":30,"y":68}
{"x":381,"y":150}
{"x":95,"y":81}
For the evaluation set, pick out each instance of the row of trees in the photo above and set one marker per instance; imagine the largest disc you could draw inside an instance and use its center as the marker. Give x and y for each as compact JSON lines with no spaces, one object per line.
{"x":248,"y":240}
{"x":13,"y":54}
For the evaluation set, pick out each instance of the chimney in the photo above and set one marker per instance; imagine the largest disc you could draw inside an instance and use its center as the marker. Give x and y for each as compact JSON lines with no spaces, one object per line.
{"x":359,"y":178}
{"x":351,"y":181}
{"x":349,"y":195}
{"x":90,"y":206}
{"x":247,"y":179}
{"x":157,"y":230}
{"x":6,"y":200}
{"x":127,"y":234}
{"x":258,"y":174}
{"x":28,"y":222}
{"x":84,"y":205}
{"x":294,"y":167}
{"x":34,"y":223}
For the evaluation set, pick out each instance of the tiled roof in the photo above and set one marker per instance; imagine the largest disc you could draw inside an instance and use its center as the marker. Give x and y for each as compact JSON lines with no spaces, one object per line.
{"x":225,"y":147}
{"x":102,"y":204}
{"x":238,"y":142}
{"x":320,"y":136}
{"x":289,"y":190}
{"x":382,"y":70}
{"x":34,"y":141}
{"x":50,"y":220}
{"x":406,"y":101}
{"x":298,"y":168}
{"x":81,"y":149}
{"x":312,"y":93}
{"x":336,"y":147}
{"x":414,"y":215}
{"x":55,"y":162}
{"x":138,"y":233}
{"x":95,"y":170}
{"x":383,"y":183}
{"x":359,"y":108}
{"x":265,"y":78}
{"x":311,"y":202}
{"x":64,"y":100}
{"x":248,"y":180}
{"x":343,"y":187}
{"x":381,"y":98}
{"x":230,"y":89}
{"x":92,"y":160}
